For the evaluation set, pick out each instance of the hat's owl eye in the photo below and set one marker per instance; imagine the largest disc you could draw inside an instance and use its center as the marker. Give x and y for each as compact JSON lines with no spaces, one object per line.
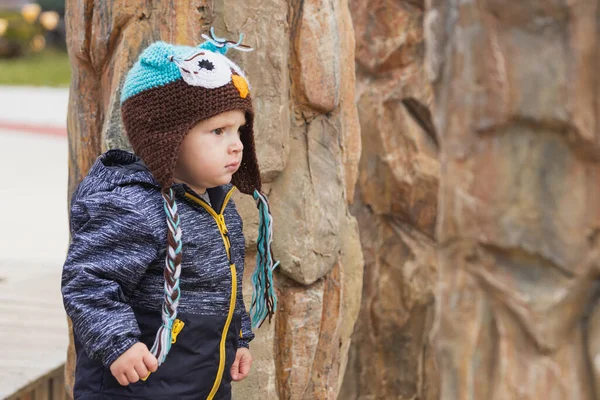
{"x":205,"y":68}
{"x":205,"y":64}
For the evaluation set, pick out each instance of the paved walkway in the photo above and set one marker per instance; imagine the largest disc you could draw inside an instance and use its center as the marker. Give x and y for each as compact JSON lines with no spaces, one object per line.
{"x":40,"y":106}
{"x":35,"y":234}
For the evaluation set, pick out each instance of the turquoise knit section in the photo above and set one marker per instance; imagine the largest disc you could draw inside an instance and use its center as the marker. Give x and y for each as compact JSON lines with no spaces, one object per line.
{"x":213,"y":48}
{"x":154,"y":68}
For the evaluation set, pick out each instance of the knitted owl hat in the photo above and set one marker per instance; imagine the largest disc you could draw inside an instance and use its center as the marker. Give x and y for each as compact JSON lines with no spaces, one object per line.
{"x":168,"y":91}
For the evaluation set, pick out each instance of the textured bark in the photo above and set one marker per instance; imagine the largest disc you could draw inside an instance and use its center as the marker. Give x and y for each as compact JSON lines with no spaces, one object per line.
{"x":396,"y":205}
{"x":308,"y":144}
{"x":516,"y":107}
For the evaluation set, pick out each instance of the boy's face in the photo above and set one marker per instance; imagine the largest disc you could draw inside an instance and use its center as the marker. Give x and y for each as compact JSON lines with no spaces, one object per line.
{"x":211,"y":152}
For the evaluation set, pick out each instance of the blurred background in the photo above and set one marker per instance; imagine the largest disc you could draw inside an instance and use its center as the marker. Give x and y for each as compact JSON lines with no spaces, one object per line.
{"x":32,"y":43}
{"x":32,"y":35}
{"x":34,"y":80}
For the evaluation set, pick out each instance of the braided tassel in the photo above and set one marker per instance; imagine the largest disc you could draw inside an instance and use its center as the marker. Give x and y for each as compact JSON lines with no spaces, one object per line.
{"x":264,"y":300}
{"x":162,"y":343}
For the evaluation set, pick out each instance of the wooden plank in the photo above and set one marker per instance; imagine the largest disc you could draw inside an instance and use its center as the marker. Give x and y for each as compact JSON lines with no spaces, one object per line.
{"x":47,"y":387}
{"x":42,"y":391}
{"x":58,"y":387}
{"x":33,"y":326}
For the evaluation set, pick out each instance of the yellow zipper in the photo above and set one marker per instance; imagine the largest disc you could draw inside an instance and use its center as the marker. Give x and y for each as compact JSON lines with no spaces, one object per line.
{"x":220,"y":220}
{"x":177,"y":327}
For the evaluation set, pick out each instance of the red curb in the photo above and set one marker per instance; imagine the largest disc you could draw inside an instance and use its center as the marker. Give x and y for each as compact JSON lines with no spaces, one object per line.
{"x":32,"y":128}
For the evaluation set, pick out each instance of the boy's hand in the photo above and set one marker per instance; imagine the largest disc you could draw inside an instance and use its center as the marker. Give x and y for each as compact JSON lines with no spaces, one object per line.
{"x":241,"y":366}
{"x":134,"y":364}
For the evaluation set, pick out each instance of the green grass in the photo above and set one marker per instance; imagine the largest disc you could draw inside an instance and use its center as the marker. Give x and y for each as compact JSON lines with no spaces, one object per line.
{"x":48,"y":68}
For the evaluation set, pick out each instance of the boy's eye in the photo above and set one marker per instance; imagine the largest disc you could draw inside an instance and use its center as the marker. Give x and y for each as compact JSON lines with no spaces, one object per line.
{"x":220,"y":131}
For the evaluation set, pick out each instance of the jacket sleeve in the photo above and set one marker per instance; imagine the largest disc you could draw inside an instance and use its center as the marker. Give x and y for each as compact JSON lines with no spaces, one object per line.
{"x":246,"y":335}
{"x":112,"y":245}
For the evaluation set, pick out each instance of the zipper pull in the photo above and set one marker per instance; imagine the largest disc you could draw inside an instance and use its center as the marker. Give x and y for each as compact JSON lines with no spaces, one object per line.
{"x":177,"y":327}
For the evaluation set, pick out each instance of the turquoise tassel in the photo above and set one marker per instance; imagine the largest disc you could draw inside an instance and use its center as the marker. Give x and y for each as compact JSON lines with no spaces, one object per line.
{"x":264,"y":300}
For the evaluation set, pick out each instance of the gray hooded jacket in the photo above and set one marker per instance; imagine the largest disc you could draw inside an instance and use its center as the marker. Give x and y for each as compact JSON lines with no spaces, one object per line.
{"x":112,"y":281}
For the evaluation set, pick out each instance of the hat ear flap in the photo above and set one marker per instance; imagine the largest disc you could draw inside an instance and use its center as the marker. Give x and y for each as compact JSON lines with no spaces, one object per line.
{"x":157,"y":55}
{"x":247,"y":177}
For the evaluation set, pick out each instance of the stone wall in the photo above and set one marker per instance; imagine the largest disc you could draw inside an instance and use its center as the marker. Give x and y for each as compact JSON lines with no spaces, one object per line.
{"x":515,"y":87}
{"x":396,"y":204}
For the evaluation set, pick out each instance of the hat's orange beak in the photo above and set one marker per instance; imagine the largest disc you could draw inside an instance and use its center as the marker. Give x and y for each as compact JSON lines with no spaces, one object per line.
{"x":241,"y":85}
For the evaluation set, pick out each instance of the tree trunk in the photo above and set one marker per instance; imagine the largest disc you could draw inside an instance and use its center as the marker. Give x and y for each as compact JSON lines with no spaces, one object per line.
{"x":308,"y":144}
{"x":396,"y":204}
{"x":519,"y":210}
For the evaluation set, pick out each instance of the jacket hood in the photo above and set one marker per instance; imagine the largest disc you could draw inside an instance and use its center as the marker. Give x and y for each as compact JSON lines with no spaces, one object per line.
{"x":118,"y":168}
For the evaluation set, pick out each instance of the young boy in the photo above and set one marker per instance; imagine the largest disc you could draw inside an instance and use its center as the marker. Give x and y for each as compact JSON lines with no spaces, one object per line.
{"x":153,"y":278}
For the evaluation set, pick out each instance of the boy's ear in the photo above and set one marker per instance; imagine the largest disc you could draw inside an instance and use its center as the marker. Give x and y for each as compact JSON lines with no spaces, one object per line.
{"x":157,"y":54}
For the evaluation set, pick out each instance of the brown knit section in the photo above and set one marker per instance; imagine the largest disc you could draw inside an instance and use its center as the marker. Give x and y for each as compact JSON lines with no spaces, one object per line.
{"x":247,"y":177}
{"x":157,"y":120}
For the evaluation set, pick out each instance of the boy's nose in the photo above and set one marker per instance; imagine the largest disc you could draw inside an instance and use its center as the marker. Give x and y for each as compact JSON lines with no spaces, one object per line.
{"x":237,"y":146}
